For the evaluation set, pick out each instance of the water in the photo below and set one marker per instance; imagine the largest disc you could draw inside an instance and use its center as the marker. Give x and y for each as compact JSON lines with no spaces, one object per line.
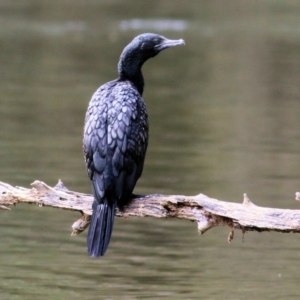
{"x":224,"y":120}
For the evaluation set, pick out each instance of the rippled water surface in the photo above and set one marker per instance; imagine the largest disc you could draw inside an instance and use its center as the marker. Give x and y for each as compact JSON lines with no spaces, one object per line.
{"x":224,"y":118}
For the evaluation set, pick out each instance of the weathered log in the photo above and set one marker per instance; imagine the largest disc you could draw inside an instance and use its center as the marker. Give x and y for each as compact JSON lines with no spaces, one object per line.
{"x":207,"y":212}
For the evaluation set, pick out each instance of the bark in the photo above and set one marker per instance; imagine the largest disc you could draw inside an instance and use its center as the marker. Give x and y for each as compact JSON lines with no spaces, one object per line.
{"x":206,"y":212}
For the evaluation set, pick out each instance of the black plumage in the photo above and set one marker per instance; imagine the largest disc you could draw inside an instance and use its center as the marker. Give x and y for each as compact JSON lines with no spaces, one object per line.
{"x":116,"y":137}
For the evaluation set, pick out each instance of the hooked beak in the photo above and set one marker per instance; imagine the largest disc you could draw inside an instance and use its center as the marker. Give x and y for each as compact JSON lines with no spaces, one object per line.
{"x":169,"y":43}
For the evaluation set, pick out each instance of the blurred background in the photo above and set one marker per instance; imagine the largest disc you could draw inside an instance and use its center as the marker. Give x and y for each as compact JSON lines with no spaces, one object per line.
{"x":224,"y":120}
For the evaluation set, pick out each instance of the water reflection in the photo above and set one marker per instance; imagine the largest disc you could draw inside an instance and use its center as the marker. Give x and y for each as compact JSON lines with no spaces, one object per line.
{"x":157,"y":25}
{"x":223,"y":121}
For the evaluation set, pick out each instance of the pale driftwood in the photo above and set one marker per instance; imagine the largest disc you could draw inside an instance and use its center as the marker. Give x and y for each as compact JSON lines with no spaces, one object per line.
{"x":207,"y":212}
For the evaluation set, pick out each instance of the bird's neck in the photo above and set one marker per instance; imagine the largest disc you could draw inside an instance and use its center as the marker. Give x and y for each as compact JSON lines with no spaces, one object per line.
{"x":131,"y":69}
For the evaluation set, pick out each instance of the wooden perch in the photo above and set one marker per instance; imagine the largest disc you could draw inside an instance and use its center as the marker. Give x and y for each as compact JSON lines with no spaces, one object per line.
{"x":207,"y":212}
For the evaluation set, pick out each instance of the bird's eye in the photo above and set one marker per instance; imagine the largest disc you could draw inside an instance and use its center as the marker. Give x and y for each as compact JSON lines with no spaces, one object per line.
{"x":156,"y":41}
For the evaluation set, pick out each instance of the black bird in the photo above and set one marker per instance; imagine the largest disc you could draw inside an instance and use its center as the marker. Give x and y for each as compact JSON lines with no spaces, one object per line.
{"x":116,"y":137}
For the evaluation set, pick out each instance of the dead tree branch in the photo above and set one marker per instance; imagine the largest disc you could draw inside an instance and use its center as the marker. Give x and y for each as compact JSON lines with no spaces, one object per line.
{"x":207,"y":212}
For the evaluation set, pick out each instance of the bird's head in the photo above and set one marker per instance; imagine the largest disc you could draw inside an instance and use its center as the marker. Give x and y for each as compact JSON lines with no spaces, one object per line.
{"x":150,"y":44}
{"x":143,"y":47}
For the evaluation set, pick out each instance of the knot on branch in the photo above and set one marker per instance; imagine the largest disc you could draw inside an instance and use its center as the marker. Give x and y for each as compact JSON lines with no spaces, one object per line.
{"x":205,"y":222}
{"x":4,"y":207}
{"x":247,"y":201}
{"x":41,"y":186}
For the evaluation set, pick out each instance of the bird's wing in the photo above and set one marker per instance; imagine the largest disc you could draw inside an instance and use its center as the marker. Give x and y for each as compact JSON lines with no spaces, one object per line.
{"x":115,"y":142}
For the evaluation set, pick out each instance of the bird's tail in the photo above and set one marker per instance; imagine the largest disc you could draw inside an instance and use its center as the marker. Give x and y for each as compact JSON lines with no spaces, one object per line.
{"x":100,"y":228}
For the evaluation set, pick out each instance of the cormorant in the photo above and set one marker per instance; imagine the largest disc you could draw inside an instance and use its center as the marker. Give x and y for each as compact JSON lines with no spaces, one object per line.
{"x":116,"y":137}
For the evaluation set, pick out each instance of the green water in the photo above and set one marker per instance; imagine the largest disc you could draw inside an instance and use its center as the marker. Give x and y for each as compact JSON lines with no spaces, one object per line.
{"x":224,"y":120}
